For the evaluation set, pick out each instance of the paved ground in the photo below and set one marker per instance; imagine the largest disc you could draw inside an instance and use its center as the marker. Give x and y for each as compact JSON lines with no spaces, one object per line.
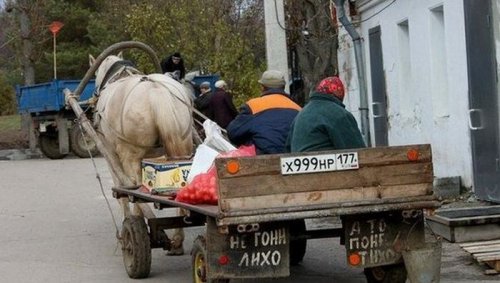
{"x":56,"y":227}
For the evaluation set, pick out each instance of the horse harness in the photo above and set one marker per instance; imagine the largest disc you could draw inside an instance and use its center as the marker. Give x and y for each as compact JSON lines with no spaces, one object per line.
{"x":118,"y":70}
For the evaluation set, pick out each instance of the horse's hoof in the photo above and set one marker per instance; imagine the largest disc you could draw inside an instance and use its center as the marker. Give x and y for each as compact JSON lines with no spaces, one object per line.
{"x":176,"y":251}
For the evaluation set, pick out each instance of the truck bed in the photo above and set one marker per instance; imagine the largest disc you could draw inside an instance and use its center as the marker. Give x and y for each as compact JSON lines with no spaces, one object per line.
{"x":48,"y":96}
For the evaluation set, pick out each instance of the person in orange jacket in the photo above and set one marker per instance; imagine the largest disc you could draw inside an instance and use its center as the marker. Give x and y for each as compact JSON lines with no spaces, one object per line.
{"x":265,"y":121}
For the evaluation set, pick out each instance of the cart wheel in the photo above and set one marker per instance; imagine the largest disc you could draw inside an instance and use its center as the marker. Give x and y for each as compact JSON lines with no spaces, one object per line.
{"x":136,"y":247}
{"x":386,"y":274}
{"x":81,"y":144}
{"x":198,"y":262}
{"x":297,"y":247}
{"x":49,"y":145}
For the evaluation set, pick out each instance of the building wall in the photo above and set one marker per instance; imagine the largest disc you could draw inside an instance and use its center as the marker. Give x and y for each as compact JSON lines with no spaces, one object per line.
{"x":496,"y":31}
{"x":425,"y":65}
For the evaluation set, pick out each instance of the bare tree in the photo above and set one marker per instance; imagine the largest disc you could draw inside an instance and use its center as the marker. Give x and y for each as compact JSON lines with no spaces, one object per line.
{"x":312,"y":38}
{"x":29,"y":16}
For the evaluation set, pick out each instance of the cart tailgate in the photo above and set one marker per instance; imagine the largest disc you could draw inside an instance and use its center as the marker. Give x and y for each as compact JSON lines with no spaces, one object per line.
{"x":261,"y":253}
{"x":375,"y":239}
{"x":382,"y":173}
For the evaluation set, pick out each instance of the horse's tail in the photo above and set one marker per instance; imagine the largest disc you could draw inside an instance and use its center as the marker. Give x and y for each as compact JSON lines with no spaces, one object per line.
{"x":173,"y":115}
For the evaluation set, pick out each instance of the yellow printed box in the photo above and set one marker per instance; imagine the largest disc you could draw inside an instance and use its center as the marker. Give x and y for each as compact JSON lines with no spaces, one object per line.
{"x":160,"y":173}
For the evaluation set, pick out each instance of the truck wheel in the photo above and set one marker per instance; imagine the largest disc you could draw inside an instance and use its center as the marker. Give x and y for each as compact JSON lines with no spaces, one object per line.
{"x":49,"y":145}
{"x":136,"y":248}
{"x":81,"y":143}
{"x":199,"y":262}
{"x":386,"y":274}
{"x":297,"y":247}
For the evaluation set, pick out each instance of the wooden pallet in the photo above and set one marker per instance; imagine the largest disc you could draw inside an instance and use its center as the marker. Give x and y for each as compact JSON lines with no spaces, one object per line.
{"x":487,"y":252}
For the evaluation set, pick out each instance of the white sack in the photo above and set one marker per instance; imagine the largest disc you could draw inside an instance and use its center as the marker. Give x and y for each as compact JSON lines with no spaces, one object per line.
{"x":214,"y":137}
{"x":203,"y":159}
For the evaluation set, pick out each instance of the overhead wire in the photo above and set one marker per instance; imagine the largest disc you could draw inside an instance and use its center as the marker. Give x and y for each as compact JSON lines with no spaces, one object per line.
{"x":353,"y":23}
{"x":376,"y":13}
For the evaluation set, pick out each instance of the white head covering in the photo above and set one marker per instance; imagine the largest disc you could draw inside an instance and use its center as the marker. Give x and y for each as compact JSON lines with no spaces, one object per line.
{"x":220,"y":84}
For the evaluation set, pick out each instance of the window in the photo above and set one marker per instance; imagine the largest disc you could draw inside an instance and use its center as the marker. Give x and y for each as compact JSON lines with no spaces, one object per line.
{"x":439,"y":75}
{"x":405,"y":78}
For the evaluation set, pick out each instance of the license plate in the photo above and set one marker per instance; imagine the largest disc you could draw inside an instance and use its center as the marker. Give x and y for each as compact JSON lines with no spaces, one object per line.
{"x":319,"y":163}
{"x":378,"y":239}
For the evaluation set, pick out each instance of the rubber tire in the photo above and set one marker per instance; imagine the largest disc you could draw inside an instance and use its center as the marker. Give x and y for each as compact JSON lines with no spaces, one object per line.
{"x":78,"y":146}
{"x":136,"y":247}
{"x":297,"y":248}
{"x":395,"y":273}
{"x":199,"y":252}
{"x":49,"y":145}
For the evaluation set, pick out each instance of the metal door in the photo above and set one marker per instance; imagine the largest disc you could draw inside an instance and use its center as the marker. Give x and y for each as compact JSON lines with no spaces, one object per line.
{"x":483,"y":102}
{"x":379,"y":100}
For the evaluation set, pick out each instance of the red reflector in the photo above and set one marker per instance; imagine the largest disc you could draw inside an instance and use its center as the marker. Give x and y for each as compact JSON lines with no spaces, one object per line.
{"x":412,"y":154}
{"x":223,"y":260}
{"x":354,"y":259}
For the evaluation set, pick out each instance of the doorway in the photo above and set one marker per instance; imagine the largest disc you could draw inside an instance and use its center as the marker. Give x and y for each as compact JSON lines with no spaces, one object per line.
{"x":483,"y":99}
{"x":379,"y":98}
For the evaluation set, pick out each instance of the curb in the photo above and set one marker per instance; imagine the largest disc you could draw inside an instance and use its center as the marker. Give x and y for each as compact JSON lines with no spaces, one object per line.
{"x":20,"y":154}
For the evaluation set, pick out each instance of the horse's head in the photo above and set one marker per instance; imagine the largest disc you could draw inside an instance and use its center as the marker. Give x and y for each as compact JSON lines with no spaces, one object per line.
{"x":110,"y":68}
{"x":176,"y":75}
{"x":191,"y":75}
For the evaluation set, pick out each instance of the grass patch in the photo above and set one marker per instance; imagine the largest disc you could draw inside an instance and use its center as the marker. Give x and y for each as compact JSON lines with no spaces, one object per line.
{"x":10,"y":122}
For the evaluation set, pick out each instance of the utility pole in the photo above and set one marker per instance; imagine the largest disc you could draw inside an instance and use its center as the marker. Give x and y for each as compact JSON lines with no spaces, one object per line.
{"x":276,"y":49}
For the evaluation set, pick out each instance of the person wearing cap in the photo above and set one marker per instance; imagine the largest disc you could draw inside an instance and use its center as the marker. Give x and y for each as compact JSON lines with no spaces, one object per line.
{"x":265,"y":121}
{"x":324,"y":123}
{"x":174,"y":64}
{"x":222,"y":105}
{"x":202,"y":102}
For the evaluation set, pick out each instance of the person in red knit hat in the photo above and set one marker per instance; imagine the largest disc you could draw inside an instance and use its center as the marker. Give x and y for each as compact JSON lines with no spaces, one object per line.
{"x":324,"y":123}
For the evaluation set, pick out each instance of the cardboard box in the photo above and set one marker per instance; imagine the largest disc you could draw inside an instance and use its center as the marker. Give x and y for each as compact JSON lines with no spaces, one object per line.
{"x":160,"y":174}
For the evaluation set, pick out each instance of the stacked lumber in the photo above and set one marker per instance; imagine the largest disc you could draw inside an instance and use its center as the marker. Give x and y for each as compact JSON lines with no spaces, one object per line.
{"x":487,"y":252}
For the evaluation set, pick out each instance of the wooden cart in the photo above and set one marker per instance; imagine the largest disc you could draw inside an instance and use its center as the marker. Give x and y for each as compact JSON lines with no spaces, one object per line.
{"x":257,"y":229}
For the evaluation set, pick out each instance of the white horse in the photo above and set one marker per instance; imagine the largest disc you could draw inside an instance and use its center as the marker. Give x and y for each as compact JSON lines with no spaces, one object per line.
{"x":137,"y":113}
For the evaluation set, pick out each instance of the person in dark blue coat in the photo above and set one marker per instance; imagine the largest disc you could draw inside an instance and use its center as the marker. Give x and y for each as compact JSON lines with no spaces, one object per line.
{"x":324,"y":123}
{"x":202,"y":102}
{"x":265,"y":121}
